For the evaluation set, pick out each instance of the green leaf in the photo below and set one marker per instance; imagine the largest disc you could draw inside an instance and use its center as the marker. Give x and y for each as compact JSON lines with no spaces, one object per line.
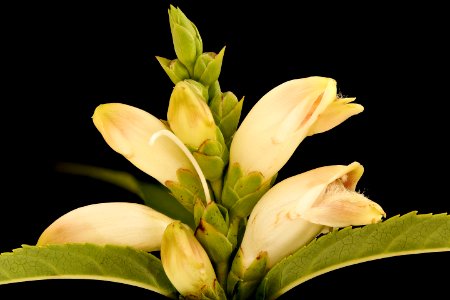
{"x":86,"y":261}
{"x":399,"y":235}
{"x":155,"y":196}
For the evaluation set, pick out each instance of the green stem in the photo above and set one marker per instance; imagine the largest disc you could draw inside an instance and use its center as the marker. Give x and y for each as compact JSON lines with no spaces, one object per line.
{"x":222,"y":269}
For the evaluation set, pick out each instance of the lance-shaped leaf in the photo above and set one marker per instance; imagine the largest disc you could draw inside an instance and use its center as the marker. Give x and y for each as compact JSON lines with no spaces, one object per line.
{"x":86,"y":261}
{"x":399,"y":235}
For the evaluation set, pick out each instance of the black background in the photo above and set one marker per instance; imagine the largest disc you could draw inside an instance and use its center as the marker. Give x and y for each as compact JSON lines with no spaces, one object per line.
{"x":63,"y":61}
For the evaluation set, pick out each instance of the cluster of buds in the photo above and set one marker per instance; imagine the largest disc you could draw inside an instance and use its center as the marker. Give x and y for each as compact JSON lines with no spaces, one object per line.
{"x":223,"y":175}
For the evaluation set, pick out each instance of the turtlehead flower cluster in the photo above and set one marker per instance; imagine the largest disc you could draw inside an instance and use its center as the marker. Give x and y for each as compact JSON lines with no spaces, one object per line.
{"x":223,"y":174}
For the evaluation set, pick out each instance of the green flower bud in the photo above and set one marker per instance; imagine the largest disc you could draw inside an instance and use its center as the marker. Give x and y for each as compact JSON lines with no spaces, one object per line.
{"x":226,"y":110}
{"x":189,"y":116}
{"x":187,"y":265}
{"x":186,"y":38}
{"x":207,"y":67}
{"x":174,"y":69}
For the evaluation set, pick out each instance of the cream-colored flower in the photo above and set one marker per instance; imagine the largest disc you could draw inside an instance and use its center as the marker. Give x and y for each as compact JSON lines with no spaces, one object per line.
{"x":189,"y":116}
{"x":128,"y":129}
{"x":297,"y":209}
{"x":186,"y":263}
{"x":282,"y":118}
{"x":117,"y":223}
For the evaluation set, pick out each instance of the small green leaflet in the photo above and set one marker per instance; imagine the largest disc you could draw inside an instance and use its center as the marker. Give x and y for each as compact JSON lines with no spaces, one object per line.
{"x":399,"y":235}
{"x":86,"y":261}
{"x":155,"y":196}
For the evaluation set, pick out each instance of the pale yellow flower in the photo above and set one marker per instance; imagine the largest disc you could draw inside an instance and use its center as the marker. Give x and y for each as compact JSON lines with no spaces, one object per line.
{"x":128,"y":129}
{"x":297,"y":209}
{"x":118,"y":223}
{"x":189,"y":116}
{"x":186,"y":263}
{"x":282,"y":118}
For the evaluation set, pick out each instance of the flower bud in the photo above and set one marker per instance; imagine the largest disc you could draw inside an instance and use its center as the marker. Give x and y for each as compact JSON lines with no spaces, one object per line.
{"x":187,"y":265}
{"x":282,"y":118}
{"x":208,"y":66}
{"x":116,"y":223}
{"x":186,"y":38}
{"x":174,"y":69}
{"x":189,"y":116}
{"x":226,"y":110}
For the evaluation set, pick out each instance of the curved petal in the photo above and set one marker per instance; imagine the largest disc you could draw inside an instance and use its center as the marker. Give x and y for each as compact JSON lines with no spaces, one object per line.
{"x":336,"y":113}
{"x":279,"y":121}
{"x":127,"y":130}
{"x":278,"y":223}
{"x":117,"y":223}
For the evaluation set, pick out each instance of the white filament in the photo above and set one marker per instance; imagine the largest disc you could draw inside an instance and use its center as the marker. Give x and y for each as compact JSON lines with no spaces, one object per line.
{"x":189,"y":155}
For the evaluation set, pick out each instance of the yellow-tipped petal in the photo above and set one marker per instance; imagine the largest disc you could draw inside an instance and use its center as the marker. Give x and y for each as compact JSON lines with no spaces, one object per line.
{"x":336,"y":113}
{"x":127,"y":130}
{"x":279,"y":121}
{"x":189,"y":116}
{"x":186,"y":263}
{"x":117,"y":223}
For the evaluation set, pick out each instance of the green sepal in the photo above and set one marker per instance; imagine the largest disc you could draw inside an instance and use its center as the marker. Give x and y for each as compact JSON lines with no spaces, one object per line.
{"x":229,"y":197}
{"x":208,"y":66}
{"x":229,"y":123}
{"x":212,"y":166}
{"x":214,"y":242}
{"x":211,"y":148}
{"x":244,"y":206}
{"x":217,"y":216}
{"x":241,"y":193}
{"x":236,"y":231}
{"x":191,"y":181}
{"x":199,"y":209}
{"x":202,"y":90}
{"x":212,"y":157}
{"x":226,"y":110}
{"x":187,"y":190}
{"x":174,"y":69}
{"x":214,"y":90}
{"x":248,"y":184}
{"x":242,"y":282}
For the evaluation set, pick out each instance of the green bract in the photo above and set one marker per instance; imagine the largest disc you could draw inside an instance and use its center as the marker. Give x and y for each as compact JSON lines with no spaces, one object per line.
{"x":225,"y":228}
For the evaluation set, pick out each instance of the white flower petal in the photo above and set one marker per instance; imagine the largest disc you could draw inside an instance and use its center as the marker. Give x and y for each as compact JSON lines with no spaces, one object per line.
{"x":127,"y":130}
{"x":118,"y":223}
